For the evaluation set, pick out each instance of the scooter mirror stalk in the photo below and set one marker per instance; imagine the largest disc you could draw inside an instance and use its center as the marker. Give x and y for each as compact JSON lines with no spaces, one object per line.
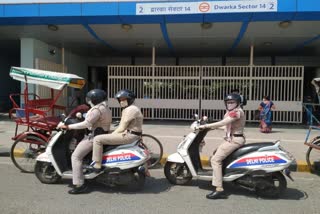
{"x":196,"y":116}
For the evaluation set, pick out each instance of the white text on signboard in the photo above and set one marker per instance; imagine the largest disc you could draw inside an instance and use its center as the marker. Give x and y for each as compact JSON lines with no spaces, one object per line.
{"x":207,"y":7}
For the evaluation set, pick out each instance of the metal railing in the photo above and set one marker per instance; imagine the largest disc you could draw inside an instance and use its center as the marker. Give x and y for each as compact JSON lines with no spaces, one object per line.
{"x":177,"y":92}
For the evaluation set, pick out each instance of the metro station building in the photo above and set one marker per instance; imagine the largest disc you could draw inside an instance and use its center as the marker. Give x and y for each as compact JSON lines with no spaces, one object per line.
{"x":180,"y":57}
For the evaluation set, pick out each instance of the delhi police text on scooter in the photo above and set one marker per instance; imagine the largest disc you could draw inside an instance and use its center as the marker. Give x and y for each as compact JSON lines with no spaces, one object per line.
{"x":123,"y":164}
{"x":258,"y":166}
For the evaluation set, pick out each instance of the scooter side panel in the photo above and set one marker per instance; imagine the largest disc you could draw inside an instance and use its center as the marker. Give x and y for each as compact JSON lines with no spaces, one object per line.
{"x":261,"y":160}
{"x":125,"y":158}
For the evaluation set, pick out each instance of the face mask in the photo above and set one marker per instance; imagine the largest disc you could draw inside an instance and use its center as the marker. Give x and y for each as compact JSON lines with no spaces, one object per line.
{"x":231,"y":105}
{"x":123,"y":103}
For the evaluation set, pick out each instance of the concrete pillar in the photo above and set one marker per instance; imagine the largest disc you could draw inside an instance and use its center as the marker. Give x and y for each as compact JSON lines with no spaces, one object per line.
{"x":153,"y":56}
{"x":27,"y":51}
{"x":251,"y":55}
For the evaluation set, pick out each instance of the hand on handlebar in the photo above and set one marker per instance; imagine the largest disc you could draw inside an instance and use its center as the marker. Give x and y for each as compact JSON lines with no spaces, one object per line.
{"x":62,"y":126}
{"x":200,"y":127}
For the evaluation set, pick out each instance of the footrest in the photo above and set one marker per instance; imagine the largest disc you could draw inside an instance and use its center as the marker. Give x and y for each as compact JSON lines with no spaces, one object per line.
{"x":207,"y":172}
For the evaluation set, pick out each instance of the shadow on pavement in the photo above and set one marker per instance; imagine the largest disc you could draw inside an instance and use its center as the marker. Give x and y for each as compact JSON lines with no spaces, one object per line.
{"x":231,"y":189}
{"x":152,"y":186}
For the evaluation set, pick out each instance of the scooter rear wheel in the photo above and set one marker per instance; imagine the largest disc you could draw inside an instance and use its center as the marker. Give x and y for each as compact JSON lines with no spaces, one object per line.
{"x":177,"y":173}
{"x":276,"y":185}
{"x":46,"y":173}
{"x":138,"y":182}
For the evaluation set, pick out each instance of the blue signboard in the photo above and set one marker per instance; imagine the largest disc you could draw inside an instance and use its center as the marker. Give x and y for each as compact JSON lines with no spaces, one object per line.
{"x":173,"y":8}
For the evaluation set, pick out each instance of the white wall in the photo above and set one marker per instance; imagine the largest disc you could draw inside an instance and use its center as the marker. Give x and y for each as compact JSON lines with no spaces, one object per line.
{"x":41,"y":50}
{"x":32,"y":49}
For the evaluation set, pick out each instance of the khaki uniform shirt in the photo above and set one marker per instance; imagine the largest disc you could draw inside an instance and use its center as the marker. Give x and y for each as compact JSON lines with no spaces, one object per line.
{"x":98,"y":116}
{"x":234,"y":122}
{"x":131,"y":119}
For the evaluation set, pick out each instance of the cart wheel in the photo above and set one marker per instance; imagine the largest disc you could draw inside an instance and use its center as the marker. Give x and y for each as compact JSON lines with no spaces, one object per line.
{"x":25,"y":150}
{"x":313,"y":157}
{"x":154,"y":147}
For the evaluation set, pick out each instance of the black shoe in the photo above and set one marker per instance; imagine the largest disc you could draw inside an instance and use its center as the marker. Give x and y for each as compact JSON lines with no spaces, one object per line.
{"x":78,"y":190}
{"x":217,"y":195}
{"x":92,"y":169}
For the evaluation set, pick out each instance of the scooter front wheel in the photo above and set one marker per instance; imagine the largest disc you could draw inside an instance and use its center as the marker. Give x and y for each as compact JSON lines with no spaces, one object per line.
{"x":46,"y":173}
{"x":177,"y":173}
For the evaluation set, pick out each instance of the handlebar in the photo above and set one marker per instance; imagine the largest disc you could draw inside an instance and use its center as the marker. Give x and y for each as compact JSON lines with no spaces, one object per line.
{"x":116,"y":123}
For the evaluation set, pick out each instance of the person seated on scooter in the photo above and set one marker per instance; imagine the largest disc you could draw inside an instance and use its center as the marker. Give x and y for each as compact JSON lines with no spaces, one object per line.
{"x":234,"y":122}
{"x":98,"y":121}
{"x":128,"y":131}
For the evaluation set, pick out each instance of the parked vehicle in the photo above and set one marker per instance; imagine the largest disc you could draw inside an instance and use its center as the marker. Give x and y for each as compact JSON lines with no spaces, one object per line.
{"x":38,"y":116}
{"x":258,"y":166}
{"x":123,"y":164}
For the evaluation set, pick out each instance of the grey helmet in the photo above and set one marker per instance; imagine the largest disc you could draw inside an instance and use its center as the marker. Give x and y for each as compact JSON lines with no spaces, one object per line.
{"x":235,"y":97}
{"x":125,"y":93}
{"x":96,"y":96}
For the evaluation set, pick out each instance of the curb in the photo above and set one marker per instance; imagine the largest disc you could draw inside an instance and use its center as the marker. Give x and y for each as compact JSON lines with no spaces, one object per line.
{"x":296,"y":166}
{"x":4,"y":154}
{"x":17,"y":153}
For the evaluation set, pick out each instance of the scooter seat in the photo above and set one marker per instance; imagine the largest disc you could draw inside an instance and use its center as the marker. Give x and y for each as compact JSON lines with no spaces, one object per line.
{"x":248,"y":148}
{"x":121,"y":146}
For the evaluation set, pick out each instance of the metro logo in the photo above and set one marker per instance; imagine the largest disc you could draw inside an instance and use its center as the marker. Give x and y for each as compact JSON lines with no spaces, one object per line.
{"x":261,"y":160}
{"x":119,"y":158}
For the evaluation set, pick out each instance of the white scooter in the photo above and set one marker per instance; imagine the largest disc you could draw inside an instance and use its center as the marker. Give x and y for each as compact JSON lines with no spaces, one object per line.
{"x":124,"y":165}
{"x":257,"y":166}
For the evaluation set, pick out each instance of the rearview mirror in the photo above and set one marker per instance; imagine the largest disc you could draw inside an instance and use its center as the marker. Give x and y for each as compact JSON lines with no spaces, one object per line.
{"x":62,"y":117}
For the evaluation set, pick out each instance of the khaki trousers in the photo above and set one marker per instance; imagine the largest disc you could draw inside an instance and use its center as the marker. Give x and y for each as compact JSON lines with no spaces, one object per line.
{"x":110,"y":139}
{"x":225,"y":149}
{"x":82,"y":149}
